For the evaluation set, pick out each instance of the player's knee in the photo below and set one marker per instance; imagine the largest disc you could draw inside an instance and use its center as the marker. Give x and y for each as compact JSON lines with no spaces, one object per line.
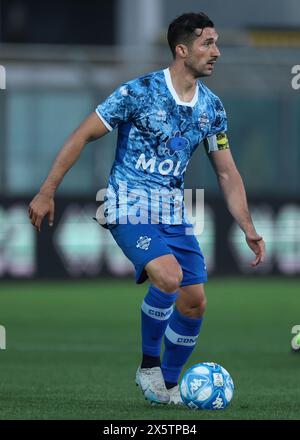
{"x":199,"y":309}
{"x":196,"y":308}
{"x":202,"y":305}
{"x":169,"y":282}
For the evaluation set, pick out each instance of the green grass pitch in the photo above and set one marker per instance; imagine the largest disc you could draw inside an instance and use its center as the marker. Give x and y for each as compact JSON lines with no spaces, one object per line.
{"x":73,"y":349}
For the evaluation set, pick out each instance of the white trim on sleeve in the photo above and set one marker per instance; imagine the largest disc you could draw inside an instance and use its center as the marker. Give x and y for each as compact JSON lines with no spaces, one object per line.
{"x":109,"y":127}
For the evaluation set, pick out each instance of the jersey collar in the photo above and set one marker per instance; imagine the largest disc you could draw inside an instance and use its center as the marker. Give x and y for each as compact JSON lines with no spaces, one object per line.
{"x":174,"y":93}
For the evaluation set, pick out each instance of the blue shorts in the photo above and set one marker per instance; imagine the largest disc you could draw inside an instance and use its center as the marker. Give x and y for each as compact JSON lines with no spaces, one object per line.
{"x":142,"y":243}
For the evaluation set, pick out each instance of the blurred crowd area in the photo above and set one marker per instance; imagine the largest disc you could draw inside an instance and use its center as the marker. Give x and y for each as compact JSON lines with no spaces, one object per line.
{"x":64,"y":57}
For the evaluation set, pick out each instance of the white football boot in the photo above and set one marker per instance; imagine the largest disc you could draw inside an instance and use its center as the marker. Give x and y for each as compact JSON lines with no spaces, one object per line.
{"x":152,"y":384}
{"x":175,"y":397}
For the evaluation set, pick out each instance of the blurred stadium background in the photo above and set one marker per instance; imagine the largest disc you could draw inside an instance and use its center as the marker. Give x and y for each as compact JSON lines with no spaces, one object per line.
{"x":61,"y":59}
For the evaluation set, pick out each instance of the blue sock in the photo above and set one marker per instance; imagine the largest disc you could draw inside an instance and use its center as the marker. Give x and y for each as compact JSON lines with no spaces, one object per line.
{"x":180,"y":339}
{"x":157,"y":308}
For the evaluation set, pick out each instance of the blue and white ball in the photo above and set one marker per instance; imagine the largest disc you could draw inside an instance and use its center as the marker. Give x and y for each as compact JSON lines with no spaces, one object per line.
{"x":206,"y":386}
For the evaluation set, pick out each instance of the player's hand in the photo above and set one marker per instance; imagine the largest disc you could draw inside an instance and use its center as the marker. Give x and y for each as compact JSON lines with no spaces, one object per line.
{"x":40,"y":206}
{"x":257,"y":245}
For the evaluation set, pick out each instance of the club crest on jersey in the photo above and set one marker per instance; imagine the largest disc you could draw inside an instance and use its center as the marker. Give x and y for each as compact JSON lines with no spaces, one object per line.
{"x":203,"y":120}
{"x":143,"y":243}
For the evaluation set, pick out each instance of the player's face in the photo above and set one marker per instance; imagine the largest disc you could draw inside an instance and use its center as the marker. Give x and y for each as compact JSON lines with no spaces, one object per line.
{"x":203,"y":53}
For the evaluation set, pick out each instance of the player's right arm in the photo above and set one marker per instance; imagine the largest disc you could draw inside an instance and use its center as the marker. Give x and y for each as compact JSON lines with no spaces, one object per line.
{"x":42,"y":204}
{"x":232,"y":186}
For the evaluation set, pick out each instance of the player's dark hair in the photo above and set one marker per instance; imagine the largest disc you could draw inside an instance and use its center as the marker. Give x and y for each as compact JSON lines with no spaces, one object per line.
{"x":182,"y":29}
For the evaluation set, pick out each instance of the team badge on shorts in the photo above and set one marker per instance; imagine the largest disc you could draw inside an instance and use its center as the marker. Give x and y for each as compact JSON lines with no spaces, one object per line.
{"x":143,"y":243}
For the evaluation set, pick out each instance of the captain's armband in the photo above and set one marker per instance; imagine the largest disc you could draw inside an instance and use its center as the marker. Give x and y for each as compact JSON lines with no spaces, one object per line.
{"x":216,"y":142}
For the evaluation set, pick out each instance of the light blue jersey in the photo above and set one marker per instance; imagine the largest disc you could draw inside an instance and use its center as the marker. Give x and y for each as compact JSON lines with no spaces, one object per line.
{"x":157,"y":135}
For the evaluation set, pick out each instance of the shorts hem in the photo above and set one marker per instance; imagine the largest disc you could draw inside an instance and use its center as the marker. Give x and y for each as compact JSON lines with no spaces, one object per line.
{"x":141,"y":275}
{"x":191,"y":281}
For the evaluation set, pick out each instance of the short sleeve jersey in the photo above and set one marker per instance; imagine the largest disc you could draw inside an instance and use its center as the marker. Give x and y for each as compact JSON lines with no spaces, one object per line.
{"x":157,"y":135}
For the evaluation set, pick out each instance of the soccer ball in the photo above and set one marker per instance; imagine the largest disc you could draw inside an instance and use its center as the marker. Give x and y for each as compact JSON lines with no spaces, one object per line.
{"x":206,"y":386}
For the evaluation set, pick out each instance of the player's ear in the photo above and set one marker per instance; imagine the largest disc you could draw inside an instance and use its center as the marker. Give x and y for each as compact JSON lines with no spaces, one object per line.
{"x":181,"y":50}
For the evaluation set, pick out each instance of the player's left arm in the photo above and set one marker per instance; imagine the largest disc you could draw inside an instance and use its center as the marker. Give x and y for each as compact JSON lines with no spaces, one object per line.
{"x":234,"y":192}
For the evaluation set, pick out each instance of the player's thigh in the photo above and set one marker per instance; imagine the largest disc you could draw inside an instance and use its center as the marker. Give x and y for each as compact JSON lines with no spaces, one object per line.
{"x":186,"y":249}
{"x":191,"y":300}
{"x":165,"y":272}
{"x":145,"y":248}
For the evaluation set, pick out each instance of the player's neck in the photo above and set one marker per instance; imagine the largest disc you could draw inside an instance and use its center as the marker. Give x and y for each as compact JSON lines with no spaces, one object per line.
{"x":183,"y":82}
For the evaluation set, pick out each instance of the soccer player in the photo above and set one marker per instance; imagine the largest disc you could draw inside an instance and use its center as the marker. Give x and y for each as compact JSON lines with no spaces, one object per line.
{"x":162,"y":118}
